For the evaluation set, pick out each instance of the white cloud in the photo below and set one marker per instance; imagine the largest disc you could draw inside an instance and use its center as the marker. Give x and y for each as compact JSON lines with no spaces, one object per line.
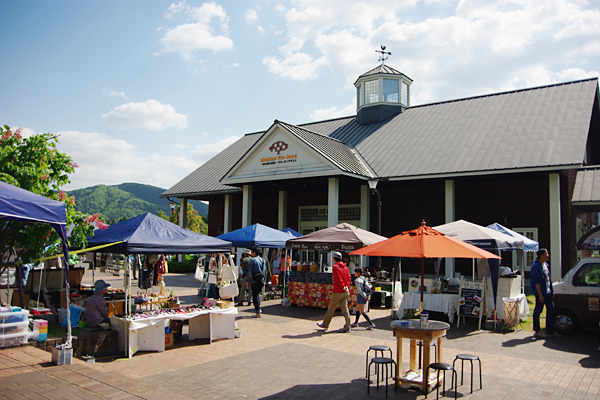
{"x":251,"y":16}
{"x":105,"y":160}
{"x":199,"y":33}
{"x":206,"y":151}
{"x":449,"y":50}
{"x":113,"y":93}
{"x":333,"y":112}
{"x":280,"y":8}
{"x":235,"y":65}
{"x":260,"y":29}
{"x":150,"y":115}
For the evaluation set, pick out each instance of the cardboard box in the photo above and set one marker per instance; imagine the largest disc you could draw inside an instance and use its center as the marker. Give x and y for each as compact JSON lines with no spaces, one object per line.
{"x":168,"y":340}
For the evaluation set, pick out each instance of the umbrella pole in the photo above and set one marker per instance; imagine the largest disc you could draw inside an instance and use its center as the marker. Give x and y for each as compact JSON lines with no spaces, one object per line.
{"x":422,"y":280}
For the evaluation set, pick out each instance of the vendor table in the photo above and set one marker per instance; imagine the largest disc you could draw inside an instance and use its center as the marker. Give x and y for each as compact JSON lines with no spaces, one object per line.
{"x":414,"y":331}
{"x":446,"y":303}
{"x":315,"y":294}
{"x":148,"y":334}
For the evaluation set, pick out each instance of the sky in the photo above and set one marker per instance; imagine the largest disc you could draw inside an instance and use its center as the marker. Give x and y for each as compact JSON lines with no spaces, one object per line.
{"x":146,"y":91}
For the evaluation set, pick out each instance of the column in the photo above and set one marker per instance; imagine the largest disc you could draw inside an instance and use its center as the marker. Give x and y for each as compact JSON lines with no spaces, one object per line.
{"x":227,"y":218}
{"x":333,"y":202}
{"x":449,"y":212}
{"x":247,"y":206}
{"x":282,"y":210}
{"x":182,"y":223}
{"x":555,"y":249}
{"x":365,"y":214}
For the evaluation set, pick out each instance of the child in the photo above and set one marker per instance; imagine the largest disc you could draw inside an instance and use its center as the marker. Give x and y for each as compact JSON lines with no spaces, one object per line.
{"x":361,"y":298}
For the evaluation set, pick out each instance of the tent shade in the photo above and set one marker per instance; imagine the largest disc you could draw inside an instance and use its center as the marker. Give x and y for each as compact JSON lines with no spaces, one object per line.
{"x":18,"y":204}
{"x":149,"y":234}
{"x":291,"y":232}
{"x":528,"y":244}
{"x":343,"y":237}
{"x":480,"y":236}
{"x":256,"y":235}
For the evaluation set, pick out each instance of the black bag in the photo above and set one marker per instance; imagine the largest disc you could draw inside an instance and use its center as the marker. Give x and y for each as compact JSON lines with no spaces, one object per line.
{"x":368,"y":289}
{"x":256,"y":278}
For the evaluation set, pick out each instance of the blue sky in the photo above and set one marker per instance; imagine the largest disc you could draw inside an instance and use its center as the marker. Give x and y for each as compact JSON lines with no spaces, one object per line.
{"x":146,"y":91}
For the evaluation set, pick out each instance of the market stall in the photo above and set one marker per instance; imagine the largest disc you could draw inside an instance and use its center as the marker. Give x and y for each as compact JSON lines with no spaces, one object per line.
{"x":150,"y":235}
{"x":312,"y":285}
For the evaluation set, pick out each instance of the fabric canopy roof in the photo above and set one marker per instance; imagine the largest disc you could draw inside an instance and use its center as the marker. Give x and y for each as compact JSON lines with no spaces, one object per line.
{"x":256,"y":235}
{"x":480,"y":236}
{"x":291,"y":232}
{"x":149,"y":234}
{"x":528,"y":244}
{"x":344,"y":237}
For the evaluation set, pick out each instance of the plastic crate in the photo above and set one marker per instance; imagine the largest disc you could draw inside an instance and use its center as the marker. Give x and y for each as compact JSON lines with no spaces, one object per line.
{"x":14,"y":339}
{"x":15,"y":327}
{"x":12,"y":317}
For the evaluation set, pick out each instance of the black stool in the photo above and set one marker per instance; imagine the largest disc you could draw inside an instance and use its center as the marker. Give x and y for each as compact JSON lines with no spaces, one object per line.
{"x":471,"y":358}
{"x":382,"y":361}
{"x":420,"y":344}
{"x":442,"y":367}
{"x":376,"y":348}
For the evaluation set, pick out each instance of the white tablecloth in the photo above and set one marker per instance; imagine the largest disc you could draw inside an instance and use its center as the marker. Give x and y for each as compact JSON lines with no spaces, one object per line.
{"x":446,"y":303}
{"x":523,"y":305}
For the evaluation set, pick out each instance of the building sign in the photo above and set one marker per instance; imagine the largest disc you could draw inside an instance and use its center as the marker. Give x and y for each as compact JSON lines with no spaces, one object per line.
{"x":280,"y":155}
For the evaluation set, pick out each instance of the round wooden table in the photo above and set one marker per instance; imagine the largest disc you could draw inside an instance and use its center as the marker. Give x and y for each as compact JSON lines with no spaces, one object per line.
{"x":414,"y":331}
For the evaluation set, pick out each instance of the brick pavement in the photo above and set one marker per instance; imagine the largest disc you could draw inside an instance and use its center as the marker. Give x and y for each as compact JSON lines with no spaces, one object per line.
{"x":284,"y":356}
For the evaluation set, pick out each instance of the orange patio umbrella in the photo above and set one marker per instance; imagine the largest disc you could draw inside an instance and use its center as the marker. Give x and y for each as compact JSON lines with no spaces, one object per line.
{"x":424,"y":242}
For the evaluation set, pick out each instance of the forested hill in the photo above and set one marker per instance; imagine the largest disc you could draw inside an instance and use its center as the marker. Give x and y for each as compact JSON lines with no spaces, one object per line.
{"x":127,"y":200}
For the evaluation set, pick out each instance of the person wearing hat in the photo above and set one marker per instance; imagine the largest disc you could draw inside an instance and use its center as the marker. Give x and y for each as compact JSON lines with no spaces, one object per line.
{"x":244,"y":262}
{"x":341,"y":293}
{"x":96,"y":310}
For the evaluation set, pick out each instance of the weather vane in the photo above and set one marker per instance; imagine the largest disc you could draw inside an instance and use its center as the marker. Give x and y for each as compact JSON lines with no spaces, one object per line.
{"x":384,"y":54}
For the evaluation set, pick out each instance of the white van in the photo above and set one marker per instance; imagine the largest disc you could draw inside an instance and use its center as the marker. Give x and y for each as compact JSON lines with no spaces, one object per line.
{"x":577,"y":297}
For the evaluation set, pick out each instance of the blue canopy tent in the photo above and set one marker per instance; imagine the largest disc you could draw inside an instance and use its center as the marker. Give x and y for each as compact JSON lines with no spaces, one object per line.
{"x":291,"y":232}
{"x":149,"y":234}
{"x":528,"y":244}
{"x":256,"y":235}
{"x":484,"y":238}
{"x":21,"y":205}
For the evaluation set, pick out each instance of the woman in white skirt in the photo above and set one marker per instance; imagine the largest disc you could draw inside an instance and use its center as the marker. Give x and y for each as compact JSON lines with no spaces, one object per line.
{"x":362,"y":299}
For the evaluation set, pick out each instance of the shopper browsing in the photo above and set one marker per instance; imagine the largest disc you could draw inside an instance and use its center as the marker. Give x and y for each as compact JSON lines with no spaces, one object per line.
{"x":257,"y":271}
{"x":362,"y":298}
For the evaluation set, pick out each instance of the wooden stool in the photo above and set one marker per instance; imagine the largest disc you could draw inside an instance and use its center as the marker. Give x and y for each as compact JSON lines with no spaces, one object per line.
{"x":471,"y":358}
{"x":376,"y":348}
{"x":382,"y":361}
{"x":442,"y":367}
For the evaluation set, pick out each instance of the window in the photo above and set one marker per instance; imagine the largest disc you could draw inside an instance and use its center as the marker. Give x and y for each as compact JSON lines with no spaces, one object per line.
{"x":361,"y":96}
{"x":390,"y":91}
{"x":588,"y":275}
{"x":371,"y":92}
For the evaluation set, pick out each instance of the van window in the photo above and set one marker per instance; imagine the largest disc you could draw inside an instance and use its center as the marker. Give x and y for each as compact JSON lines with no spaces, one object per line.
{"x":588,"y":275}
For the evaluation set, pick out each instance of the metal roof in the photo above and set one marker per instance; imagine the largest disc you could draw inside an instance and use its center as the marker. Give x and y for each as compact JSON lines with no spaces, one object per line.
{"x":587,"y":187}
{"x":531,"y":129}
{"x":340,"y":155}
{"x":382,"y":69}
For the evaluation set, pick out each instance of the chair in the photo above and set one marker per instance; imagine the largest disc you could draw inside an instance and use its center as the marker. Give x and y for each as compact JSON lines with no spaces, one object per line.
{"x":383,"y":362}
{"x":471,"y":358}
{"x":442,"y":367}
{"x":376,"y":347}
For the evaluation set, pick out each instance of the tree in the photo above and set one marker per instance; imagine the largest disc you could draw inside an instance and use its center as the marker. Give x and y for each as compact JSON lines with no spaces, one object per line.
{"x":36,"y":165}
{"x":195,"y":222}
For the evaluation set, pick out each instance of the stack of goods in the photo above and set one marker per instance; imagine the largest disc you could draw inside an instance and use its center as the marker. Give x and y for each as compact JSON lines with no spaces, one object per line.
{"x":14,"y":326}
{"x":208,"y":304}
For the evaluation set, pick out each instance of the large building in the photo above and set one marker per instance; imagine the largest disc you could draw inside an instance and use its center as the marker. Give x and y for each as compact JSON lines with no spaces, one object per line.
{"x":523,"y":158}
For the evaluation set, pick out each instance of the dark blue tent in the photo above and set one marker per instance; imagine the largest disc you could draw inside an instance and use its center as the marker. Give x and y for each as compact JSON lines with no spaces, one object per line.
{"x":291,"y":232}
{"x":149,"y":234}
{"x":257,"y":235}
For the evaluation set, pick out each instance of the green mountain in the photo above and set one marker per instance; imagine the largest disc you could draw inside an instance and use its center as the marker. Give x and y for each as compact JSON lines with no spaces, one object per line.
{"x":127,"y":200}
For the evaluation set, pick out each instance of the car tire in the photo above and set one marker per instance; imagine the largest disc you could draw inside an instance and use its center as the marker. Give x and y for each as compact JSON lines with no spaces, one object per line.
{"x":565,"y":322}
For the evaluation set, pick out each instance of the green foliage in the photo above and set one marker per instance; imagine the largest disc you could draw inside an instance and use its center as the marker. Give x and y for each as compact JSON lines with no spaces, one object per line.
{"x":36,"y":165}
{"x":189,"y":265}
{"x":195,"y":222}
{"x":124,"y":201}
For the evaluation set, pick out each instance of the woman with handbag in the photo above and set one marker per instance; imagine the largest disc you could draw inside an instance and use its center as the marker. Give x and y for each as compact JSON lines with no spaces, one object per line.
{"x":256,"y":278}
{"x":362,"y":297}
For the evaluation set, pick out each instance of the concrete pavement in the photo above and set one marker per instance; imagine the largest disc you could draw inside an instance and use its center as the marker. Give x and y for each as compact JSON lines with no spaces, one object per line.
{"x":284,"y":355}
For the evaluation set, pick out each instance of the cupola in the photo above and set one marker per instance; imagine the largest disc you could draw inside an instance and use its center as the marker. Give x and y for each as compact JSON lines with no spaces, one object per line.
{"x":381,"y":93}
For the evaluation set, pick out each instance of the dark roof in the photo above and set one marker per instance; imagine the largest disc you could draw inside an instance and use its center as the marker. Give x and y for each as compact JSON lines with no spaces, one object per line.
{"x":531,"y":129}
{"x":382,"y":69}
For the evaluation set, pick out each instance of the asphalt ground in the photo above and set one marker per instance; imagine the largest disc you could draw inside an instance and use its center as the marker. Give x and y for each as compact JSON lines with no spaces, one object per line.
{"x":284,"y":355}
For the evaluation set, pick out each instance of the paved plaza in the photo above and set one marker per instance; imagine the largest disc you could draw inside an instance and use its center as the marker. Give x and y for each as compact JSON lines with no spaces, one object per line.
{"x":284,"y":355}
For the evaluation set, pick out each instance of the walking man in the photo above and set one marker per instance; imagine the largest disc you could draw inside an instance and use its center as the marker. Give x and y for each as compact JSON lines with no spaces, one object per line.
{"x":244,"y":287}
{"x":257,"y":271}
{"x":341,"y":292}
{"x":541,"y":286}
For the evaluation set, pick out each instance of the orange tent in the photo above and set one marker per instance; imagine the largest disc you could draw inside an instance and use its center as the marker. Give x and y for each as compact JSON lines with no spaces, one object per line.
{"x":424,"y":242}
